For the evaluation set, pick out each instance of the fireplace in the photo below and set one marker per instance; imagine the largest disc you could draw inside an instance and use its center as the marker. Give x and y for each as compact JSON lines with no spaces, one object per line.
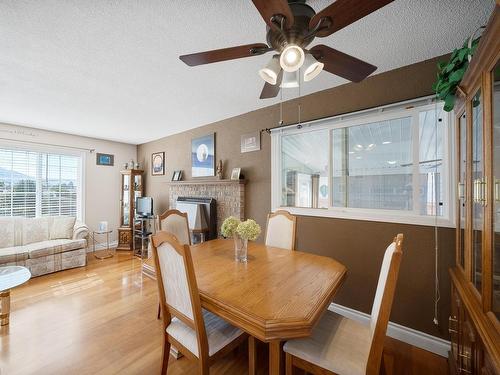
{"x":229,"y":196}
{"x":202,"y":217}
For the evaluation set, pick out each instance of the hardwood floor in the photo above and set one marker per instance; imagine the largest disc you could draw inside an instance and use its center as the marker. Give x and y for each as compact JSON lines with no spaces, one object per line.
{"x":101,"y":319}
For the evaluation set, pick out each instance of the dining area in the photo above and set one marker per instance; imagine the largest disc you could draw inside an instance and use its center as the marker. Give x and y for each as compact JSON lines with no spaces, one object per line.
{"x":223,"y":294}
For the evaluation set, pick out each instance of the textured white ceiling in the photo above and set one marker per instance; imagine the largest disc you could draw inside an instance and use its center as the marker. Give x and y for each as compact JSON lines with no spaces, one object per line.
{"x":110,"y":69}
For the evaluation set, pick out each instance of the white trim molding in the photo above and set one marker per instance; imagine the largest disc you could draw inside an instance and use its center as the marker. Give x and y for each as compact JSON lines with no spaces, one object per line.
{"x":410,"y":336}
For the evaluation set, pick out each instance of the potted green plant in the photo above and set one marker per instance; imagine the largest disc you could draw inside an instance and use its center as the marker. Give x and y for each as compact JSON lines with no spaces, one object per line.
{"x":450,"y":73}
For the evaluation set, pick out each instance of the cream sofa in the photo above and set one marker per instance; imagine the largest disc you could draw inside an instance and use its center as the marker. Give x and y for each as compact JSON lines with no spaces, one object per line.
{"x":43,"y":245}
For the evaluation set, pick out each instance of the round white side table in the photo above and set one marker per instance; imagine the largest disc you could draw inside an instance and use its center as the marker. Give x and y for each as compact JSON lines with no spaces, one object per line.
{"x":10,"y":277}
{"x":107,"y":251}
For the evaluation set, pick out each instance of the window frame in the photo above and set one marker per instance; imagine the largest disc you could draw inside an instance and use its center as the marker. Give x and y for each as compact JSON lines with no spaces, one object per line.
{"x":55,"y":150}
{"x":410,"y":108}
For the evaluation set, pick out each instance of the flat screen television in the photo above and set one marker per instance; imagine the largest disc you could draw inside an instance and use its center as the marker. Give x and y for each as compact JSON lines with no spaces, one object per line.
{"x":144,"y":206}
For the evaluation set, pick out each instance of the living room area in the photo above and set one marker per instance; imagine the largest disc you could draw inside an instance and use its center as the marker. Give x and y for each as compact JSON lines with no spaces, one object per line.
{"x":254,"y":187}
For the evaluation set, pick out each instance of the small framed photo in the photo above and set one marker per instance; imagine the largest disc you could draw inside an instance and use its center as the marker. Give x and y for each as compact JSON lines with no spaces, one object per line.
{"x":250,"y":142}
{"x":158,"y":164}
{"x":105,"y":159}
{"x":177,"y":176}
{"x":235,"y":173}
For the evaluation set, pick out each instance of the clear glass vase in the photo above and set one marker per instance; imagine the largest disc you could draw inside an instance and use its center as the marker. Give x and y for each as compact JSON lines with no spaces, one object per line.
{"x":240,"y":249}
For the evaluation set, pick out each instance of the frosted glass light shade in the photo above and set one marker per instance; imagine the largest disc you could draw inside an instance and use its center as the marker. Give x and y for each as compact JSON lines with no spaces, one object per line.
{"x":292,"y":58}
{"x":312,"y":67}
{"x":290,"y":80}
{"x":271,"y":71}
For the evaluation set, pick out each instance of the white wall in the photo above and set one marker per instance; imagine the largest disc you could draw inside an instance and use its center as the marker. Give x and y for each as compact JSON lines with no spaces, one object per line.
{"x":102,"y":184}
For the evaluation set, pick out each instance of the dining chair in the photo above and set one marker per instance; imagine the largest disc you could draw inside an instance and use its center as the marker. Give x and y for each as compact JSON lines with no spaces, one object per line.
{"x":176,"y":223}
{"x":197,"y":333}
{"x":281,"y":228}
{"x":342,"y":346}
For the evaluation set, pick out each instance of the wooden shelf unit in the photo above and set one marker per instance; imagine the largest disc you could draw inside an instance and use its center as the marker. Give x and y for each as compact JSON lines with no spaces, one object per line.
{"x":475,"y":293}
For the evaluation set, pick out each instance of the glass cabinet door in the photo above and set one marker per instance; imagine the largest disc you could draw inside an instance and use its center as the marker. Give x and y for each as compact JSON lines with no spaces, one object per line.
{"x":496,"y":185}
{"x":478,"y":190}
{"x":125,"y":200}
{"x":462,"y":147}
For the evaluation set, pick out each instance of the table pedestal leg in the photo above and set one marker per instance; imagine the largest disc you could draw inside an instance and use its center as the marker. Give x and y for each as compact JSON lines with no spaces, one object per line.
{"x":4,"y":307}
{"x":275,"y":362}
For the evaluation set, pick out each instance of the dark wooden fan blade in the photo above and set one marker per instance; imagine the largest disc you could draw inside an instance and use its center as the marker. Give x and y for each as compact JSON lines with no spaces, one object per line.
{"x":344,"y":12}
{"x":342,"y":64}
{"x":270,"y":91}
{"x":270,"y":8}
{"x":224,"y":54}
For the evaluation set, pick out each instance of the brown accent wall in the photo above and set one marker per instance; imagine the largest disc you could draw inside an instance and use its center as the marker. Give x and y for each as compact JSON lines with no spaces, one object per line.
{"x":357,"y":244}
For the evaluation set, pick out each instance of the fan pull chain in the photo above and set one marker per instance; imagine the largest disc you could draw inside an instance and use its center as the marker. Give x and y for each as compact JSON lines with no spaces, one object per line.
{"x":299,"y":125}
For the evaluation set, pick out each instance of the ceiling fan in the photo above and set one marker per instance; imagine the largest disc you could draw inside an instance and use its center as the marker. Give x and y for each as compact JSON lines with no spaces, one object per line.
{"x":291,"y":26}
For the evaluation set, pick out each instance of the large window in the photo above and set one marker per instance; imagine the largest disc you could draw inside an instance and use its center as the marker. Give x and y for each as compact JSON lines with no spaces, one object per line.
{"x":387,"y":164}
{"x":34,"y":183}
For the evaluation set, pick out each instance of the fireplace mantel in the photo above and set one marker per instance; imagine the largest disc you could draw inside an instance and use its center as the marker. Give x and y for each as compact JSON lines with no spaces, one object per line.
{"x":207,"y":182}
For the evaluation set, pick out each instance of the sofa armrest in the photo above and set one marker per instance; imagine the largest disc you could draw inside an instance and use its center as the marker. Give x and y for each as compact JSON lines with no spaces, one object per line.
{"x":80,"y":231}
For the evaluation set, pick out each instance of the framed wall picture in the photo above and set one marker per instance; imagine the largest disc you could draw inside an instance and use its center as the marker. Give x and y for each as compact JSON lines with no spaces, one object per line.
{"x":158,"y":164}
{"x":105,"y":159}
{"x":235,"y":173}
{"x":203,"y":156}
{"x":250,"y":142}
{"x":177,"y":176}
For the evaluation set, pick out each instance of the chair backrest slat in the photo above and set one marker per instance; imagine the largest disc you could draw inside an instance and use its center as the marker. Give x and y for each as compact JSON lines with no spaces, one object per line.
{"x":176,"y":222}
{"x":280,"y":231}
{"x":382,"y":303}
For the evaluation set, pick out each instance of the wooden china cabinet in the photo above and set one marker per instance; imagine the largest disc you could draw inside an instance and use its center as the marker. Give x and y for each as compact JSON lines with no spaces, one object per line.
{"x":131,"y":188}
{"x":475,"y":294}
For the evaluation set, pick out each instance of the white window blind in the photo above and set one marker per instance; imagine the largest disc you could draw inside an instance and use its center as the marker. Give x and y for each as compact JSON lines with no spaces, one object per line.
{"x":34,"y":184}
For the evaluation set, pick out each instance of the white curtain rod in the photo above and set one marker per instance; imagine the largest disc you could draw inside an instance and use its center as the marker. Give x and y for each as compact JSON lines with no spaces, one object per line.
{"x":91,"y":150}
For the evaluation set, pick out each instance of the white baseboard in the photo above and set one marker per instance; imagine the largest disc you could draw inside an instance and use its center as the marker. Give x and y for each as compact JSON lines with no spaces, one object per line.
{"x":410,"y":336}
{"x":101,"y":246}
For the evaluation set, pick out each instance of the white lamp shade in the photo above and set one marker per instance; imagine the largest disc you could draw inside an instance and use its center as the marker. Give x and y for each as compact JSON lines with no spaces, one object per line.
{"x":292,"y":58}
{"x":312,"y":67}
{"x":290,"y":80}
{"x":271,"y":71}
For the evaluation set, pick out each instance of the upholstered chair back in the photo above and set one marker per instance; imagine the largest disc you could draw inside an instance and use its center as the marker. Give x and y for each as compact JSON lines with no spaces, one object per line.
{"x":382,"y":303}
{"x":176,"y":222}
{"x":179,"y":295}
{"x":280,"y":231}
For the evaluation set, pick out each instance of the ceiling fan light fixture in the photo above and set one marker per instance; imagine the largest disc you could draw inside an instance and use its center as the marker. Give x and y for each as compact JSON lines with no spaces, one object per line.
{"x":312,"y":67}
{"x":270,"y":72}
{"x":290,"y":80}
{"x":292,"y":58}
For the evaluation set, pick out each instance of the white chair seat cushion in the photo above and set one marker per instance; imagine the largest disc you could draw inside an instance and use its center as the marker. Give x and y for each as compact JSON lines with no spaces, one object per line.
{"x":219,"y":333}
{"x":337,"y":344}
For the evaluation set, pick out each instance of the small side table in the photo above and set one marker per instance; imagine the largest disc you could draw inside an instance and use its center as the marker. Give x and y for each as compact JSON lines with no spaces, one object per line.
{"x":108,"y":252}
{"x":10,"y":277}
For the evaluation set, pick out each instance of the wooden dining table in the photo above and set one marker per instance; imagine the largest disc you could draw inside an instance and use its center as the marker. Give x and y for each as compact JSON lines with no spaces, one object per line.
{"x":276,"y":295}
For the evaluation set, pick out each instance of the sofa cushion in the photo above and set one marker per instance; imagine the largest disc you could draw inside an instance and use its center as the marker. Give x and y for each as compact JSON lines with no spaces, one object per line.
{"x":13,"y":254}
{"x":62,"y":227}
{"x":35,"y":230}
{"x":50,"y":247}
{"x":6,"y":232}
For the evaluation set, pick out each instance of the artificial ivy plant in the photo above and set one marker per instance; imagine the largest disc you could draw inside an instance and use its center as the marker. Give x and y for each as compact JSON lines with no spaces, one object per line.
{"x":450,"y":74}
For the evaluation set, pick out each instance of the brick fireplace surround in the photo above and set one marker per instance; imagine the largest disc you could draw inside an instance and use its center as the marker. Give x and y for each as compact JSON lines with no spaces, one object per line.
{"x":229,"y":196}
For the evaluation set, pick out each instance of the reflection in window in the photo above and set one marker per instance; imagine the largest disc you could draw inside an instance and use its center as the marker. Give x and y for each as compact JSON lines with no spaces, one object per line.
{"x":305,"y":169}
{"x":431,"y":143}
{"x":372,"y":165}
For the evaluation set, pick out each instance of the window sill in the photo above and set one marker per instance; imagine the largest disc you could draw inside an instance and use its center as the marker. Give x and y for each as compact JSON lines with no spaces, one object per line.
{"x":370,"y":215}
